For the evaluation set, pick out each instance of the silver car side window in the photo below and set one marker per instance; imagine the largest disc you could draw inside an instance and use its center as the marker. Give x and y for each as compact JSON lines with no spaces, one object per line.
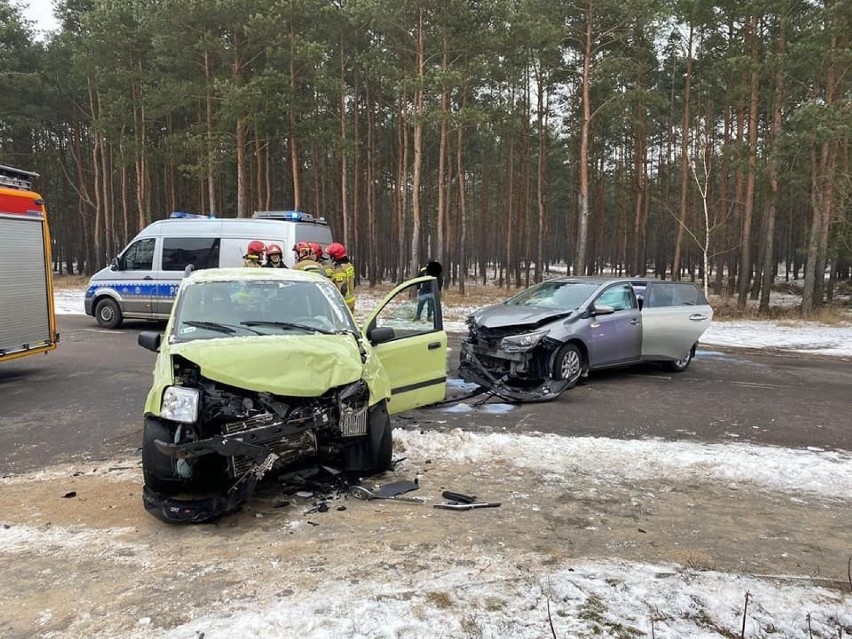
{"x":619,"y":297}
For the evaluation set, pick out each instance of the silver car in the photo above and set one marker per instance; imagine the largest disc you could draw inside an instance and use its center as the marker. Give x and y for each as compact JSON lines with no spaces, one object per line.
{"x":540,"y":342}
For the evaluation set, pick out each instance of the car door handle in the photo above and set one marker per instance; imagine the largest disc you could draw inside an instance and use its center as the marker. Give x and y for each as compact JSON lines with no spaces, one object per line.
{"x":697,"y":317}
{"x":434,"y":345}
{"x":147,"y":277}
{"x":634,"y":321}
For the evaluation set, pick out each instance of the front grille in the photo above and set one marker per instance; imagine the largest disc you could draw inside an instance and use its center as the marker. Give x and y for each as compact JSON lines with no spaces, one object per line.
{"x":288,"y":448}
{"x":353,"y":422}
{"x":494,"y":336}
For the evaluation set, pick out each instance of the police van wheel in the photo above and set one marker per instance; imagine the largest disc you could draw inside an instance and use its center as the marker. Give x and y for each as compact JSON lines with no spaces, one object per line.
{"x":108,"y":314}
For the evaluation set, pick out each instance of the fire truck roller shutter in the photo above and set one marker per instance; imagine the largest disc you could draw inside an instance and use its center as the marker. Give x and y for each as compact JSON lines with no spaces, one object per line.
{"x":23,"y":284}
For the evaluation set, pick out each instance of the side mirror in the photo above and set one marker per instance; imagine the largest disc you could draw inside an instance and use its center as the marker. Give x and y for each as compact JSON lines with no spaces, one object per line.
{"x":114,"y":265}
{"x":602,"y":309}
{"x":381,"y":335}
{"x":189,"y":269}
{"x":150,"y":340}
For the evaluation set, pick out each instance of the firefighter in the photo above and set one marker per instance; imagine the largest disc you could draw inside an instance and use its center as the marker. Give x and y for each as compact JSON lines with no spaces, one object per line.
{"x":324,"y":263}
{"x":274,"y":257}
{"x":254,"y":254}
{"x":342,"y":273}
{"x":306,"y":258}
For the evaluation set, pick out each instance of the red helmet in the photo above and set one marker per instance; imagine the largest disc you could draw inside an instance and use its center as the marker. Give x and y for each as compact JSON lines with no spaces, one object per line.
{"x":336,"y":251}
{"x":303,"y":249}
{"x":317,"y":249}
{"x":255,"y":248}
{"x":274,"y":249}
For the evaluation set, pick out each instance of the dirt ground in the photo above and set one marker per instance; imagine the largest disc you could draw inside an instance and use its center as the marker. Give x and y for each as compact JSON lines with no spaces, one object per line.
{"x":96,"y":564}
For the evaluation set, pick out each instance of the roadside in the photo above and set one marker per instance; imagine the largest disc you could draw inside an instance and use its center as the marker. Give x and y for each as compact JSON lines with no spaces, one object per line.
{"x":616,"y":538}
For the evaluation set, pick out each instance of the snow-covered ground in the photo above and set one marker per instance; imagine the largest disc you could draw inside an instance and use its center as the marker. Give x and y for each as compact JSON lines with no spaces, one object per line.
{"x":807,"y":337}
{"x":405,"y":589}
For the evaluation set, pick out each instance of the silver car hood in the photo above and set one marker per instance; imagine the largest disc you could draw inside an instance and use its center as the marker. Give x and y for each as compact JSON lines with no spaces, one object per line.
{"x":503,"y":315}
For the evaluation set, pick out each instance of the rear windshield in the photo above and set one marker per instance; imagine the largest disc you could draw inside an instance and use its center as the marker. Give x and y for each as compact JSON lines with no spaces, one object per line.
{"x":555,"y":294}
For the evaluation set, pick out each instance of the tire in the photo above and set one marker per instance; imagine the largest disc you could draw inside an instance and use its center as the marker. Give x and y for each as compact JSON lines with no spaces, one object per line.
{"x":680,"y":365}
{"x":158,"y":470}
{"x":374,"y":454}
{"x":108,"y":313}
{"x":568,"y":365}
{"x":381,"y":442}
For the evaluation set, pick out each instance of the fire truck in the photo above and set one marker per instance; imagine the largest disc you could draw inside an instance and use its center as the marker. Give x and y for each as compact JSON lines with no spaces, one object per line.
{"x":27,"y":318}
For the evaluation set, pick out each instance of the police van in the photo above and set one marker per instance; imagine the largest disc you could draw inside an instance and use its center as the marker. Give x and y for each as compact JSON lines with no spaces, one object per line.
{"x":141,"y":283}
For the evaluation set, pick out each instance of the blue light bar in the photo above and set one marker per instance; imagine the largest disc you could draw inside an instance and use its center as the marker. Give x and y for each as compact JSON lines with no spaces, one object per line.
{"x":293,"y":215}
{"x":183,"y":215}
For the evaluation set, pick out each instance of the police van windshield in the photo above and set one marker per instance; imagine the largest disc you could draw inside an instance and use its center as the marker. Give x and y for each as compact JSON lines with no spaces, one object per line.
{"x":208,"y":310}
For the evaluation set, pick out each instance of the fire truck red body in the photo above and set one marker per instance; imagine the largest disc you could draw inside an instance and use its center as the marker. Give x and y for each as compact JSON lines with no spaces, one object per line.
{"x":27,"y":318}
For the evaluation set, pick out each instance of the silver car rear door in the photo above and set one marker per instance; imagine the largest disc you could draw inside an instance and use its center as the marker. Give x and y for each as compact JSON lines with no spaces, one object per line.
{"x":674,"y":316}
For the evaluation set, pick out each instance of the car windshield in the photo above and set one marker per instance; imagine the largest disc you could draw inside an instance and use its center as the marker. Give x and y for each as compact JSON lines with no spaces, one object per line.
{"x":207,"y":310}
{"x":555,"y":294}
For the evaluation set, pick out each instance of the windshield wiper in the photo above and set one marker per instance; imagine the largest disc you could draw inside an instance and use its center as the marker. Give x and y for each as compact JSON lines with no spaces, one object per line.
{"x":303,"y":327}
{"x":219,"y":328}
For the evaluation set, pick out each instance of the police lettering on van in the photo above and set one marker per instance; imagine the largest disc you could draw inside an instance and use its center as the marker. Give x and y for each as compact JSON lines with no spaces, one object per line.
{"x":141,"y":283}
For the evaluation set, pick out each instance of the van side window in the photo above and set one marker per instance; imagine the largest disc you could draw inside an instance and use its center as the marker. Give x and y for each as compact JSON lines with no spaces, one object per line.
{"x":180,"y":252}
{"x":139,"y":256}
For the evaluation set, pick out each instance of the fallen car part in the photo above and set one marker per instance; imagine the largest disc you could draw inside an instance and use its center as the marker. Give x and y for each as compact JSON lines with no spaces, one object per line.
{"x":461,"y":501}
{"x":362,"y":492}
{"x":471,"y":506}
{"x":396,"y":488}
{"x":458,"y":497}
{"x":195,"y":511}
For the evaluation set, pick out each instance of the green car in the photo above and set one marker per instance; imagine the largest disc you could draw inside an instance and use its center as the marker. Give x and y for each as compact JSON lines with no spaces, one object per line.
{"x":261,"y":370}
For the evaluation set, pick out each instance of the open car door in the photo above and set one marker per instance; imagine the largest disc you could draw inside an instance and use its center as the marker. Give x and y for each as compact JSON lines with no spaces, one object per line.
{"x":413,"y":351}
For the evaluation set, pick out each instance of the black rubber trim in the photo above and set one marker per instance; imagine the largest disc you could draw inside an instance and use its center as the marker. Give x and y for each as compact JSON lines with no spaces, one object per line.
{"x":419,"y":385}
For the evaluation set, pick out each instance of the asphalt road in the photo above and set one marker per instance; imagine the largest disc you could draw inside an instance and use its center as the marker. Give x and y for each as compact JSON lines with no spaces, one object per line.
{"x":84,"y":401}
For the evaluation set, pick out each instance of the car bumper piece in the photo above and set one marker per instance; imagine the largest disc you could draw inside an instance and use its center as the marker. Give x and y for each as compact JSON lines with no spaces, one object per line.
{"x":471,"y":370}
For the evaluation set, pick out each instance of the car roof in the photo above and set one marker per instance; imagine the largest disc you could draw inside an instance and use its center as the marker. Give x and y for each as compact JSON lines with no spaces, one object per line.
{"x":243,"y":274}
{"x":591,"y":279}
{"x":600,"y":280}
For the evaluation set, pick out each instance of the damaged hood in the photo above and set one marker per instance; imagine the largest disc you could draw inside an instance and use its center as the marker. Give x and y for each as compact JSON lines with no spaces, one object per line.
{"x":505,"y":315}
{"x":302,"y":366}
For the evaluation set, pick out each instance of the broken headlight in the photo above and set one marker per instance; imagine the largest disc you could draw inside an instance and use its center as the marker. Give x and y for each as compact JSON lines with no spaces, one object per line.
{"x":522,"y":343}
{"x":180,"y":404}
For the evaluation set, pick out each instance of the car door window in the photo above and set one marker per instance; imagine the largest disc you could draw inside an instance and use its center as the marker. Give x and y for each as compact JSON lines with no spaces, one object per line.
{"x":687,"y":295}
{"x":660,"y":294}
{"x":619,"y":297}
{"x":401,"y":313}
{"x":180,"y":252}
{"x":139,"y":256}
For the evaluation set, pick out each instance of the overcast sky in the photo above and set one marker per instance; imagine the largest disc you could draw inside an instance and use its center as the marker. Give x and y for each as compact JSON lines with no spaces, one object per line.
{"x":41,"y":13}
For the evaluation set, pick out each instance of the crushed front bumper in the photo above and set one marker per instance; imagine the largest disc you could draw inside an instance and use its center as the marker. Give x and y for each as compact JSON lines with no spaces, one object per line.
{"x":501,"y":383}
{"x":195,"y":511}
